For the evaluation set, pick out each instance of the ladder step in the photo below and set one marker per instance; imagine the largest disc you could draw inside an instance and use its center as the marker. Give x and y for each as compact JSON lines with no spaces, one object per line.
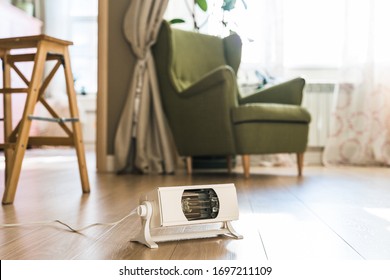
{"x":50,"y":141}
{"x":13,"y":90}
{"x":42,"y":141}
{"x":31,"y":57}
{"x":56,"y":120}
{"x":7,"y":145}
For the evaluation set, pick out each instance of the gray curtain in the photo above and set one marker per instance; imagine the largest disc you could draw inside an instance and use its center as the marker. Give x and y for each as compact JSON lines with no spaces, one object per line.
{"x":143,"y":140}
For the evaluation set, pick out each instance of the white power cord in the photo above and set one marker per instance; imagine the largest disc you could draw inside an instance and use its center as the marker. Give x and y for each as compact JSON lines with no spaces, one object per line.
{"x":134,"y":211}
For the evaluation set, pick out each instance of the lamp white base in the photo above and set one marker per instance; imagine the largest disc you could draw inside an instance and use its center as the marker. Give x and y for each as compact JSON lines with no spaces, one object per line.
{"x":145,"y":236}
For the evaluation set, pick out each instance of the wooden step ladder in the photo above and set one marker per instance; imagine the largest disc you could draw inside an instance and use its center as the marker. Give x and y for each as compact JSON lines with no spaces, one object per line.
{"x":16,"y":139}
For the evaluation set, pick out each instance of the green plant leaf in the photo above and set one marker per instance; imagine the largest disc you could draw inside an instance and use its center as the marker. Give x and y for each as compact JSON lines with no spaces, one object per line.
{"x":202,"y":4}
{"x":245,"y":5}
{"x":228,"y":5}
{"x":176,"y":20}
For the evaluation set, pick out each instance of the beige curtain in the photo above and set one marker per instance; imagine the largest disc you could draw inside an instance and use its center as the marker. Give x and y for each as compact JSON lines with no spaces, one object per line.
{"x":143,"y":140}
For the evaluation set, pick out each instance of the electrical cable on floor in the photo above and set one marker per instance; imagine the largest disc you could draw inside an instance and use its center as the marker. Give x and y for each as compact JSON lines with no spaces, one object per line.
{"x":68,"y":226}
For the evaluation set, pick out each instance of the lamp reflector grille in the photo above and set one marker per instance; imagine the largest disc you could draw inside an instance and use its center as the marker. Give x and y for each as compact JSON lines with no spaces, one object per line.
{"x":200,"y":204}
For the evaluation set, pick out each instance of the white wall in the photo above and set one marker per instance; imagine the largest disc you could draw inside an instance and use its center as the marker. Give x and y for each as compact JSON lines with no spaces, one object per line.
{"x":56,"y":21}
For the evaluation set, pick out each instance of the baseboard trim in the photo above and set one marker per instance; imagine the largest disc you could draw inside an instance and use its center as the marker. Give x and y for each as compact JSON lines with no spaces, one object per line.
{"x":313,"y":156}
{"x":108,"y":165}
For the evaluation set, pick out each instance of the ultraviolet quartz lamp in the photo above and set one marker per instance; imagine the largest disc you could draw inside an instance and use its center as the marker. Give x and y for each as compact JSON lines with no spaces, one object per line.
{"x":168,"y":207}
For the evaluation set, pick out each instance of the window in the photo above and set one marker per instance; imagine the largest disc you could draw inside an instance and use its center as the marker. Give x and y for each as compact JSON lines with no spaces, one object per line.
{"x":299,"y":34}
{"x":313,"y":33}
{"x":83,"y":30}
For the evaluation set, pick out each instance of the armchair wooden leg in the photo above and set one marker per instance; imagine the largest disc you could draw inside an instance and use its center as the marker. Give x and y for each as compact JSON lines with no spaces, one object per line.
{"x":300,"y":163}
{"x":189,"y":165}
{"x":246,"y":165}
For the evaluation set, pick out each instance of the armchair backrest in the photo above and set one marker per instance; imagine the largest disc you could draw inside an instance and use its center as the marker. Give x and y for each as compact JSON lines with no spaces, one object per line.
{"x":232,"y":49}
{"x":201,"y":114}
{"x":194,"y":55}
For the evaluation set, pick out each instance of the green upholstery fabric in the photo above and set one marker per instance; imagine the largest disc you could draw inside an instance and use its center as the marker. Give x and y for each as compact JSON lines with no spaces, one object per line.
{"x":197,"y":113}
{"x":269,"y":138}
{"x":200,"y":97}
{"x":187,"y":68}
{"x":257,"y":112}
{"x":232,"y":47}
{"x":289,"y":92}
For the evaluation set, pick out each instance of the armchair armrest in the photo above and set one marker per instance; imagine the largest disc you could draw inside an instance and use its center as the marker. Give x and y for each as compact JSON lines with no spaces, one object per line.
{"x":289,"y":92}
{"x":213,"y":93}
{"x":211,"y":79}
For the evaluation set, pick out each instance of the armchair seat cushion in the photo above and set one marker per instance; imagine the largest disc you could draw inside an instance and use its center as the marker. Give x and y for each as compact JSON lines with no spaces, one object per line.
{"x":266,"y":112}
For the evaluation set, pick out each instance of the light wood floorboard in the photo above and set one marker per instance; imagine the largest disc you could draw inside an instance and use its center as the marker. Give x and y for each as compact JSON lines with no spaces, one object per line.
{"x":329,"y":213}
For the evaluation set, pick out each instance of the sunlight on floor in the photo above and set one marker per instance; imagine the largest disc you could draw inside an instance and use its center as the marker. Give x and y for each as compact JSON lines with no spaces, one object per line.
{"x":383,"y":213}
{"x":34,"y":158}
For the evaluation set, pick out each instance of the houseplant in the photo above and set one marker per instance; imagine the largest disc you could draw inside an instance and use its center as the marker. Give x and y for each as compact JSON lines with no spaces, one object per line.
{"x":227,"y":6}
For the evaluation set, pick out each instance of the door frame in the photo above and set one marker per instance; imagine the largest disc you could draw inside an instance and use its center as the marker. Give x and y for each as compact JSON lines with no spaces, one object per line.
{"x":102,"y":158}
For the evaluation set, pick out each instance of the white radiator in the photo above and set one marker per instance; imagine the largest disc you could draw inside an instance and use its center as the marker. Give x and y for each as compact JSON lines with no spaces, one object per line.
{"x":318,"y":101}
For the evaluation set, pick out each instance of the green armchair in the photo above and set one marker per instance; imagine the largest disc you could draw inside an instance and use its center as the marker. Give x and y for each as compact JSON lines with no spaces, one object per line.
{"x":208,"y":117}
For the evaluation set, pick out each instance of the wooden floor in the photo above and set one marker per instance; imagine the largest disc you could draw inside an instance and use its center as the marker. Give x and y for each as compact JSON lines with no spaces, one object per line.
{"x":330,"y":213}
